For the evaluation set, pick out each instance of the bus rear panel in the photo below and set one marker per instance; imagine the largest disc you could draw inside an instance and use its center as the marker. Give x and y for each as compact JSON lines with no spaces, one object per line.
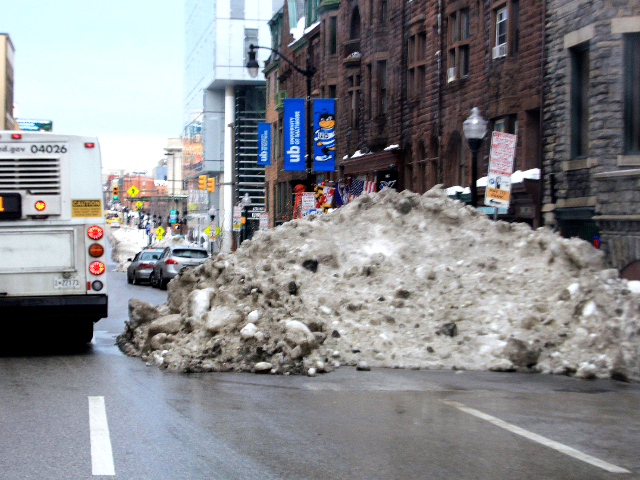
{"x":52,"y":238}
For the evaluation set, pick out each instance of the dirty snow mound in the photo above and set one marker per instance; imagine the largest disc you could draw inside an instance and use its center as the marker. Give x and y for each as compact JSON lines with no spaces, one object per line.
{"x":125,"y":243}
{"x":396,"y":280}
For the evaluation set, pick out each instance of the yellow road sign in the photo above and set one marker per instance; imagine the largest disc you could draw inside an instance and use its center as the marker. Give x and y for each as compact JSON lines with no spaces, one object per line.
{"x":159,"y":232}
{"x":139,"y":205}
{"x":133,"y":191}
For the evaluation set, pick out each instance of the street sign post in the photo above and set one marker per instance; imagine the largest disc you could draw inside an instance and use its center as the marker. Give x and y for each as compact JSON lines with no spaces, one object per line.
{"x":264,"y":221}
{"x":503,"y":149}
{"x":133,"y":191}
{"x":237,"y":218}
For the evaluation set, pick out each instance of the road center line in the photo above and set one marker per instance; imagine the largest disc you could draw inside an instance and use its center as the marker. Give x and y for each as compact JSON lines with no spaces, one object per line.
{"x":539,"y":438}
{"x":101,"y":454}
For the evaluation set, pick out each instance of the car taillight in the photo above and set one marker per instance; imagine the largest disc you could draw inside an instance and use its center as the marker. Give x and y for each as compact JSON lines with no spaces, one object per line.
{"x":96,"y":250}
{"x":170,"y":261}
{"x":95,"y":232}
{"x":96,"y":268}
{"x":146,"y":265}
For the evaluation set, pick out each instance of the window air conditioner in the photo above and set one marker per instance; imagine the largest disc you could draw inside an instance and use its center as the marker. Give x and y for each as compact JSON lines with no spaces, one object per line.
{"x":451,"y":74}
{"x":500,"y":51}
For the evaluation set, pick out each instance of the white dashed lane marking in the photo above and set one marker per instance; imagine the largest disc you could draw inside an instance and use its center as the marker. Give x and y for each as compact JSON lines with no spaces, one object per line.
{"x":101,"y":454}
{"x":572,"y":452}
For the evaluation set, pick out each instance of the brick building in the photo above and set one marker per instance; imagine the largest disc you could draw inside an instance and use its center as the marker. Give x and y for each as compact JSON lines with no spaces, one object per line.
{"x":405,"y":75}
{"x":592,"y":125}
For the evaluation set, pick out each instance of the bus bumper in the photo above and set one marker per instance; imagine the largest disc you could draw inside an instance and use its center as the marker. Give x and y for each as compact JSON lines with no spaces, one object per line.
{"x":86,"y":306}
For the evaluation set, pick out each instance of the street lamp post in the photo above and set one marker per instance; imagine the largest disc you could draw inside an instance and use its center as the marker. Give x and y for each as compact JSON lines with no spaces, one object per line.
{"x":475,"y":128}
{"x":245,"y":203}
{"x":253,"y":68}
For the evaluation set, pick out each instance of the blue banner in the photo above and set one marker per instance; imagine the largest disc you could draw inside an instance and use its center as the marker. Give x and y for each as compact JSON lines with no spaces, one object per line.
{"x":264,"y":144}
{"x":324,"y":130}
{"x":293,"y":133}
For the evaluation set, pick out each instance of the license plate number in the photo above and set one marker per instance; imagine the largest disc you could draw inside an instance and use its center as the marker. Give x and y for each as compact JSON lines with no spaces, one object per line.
{"x":73,"y":282}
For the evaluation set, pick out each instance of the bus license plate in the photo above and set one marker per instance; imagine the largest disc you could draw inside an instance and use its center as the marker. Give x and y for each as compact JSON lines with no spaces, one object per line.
{"x":73,"y":282}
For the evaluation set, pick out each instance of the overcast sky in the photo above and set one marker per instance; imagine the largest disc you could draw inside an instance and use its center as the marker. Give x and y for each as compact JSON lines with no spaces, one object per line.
{"x":111,"y":69}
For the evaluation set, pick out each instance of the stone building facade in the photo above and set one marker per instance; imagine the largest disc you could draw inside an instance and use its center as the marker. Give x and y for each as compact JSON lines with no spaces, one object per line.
{"x":592,"y":125}
{"x":405,"y":76}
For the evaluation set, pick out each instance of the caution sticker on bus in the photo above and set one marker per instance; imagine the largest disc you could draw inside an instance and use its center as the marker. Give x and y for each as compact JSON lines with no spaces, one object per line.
{"x":86,"y":207}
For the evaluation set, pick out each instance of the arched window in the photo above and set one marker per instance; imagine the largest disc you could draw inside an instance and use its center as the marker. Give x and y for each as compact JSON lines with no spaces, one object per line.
{"x":354,"y":32}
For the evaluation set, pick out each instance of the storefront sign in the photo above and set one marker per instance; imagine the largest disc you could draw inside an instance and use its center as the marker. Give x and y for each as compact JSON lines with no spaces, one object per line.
{"x":307,"y":202}
{"x":293,"y":133}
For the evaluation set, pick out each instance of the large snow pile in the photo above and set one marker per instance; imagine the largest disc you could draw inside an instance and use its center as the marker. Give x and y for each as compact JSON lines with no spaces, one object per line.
{"x":127,"y":241}
{"x":396,"y":280}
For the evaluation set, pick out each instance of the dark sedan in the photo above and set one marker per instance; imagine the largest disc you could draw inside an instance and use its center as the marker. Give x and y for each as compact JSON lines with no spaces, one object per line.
{"x":142,"y":265}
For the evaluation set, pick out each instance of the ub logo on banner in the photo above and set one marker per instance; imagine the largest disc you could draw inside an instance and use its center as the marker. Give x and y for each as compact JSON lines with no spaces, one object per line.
{"x":293,"y":127}
{"x":324,"y":131}
{"x":264,"y":144}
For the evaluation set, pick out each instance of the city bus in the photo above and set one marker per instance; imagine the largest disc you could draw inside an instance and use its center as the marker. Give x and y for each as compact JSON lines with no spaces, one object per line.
{"x":52,"y":235}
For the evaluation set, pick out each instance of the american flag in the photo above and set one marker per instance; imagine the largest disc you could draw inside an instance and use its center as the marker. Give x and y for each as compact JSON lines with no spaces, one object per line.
{"x":357,"y":187}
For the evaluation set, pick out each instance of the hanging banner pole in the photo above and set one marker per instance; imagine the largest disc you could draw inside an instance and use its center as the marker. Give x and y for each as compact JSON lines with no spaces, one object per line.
{"x":293,"y":132}
{"x":264,"y":144}
{"x":324,"y":130}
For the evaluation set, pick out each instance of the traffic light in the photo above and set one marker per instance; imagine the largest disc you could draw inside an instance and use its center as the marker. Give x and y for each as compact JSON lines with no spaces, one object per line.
{"x":202,"y":182}
{"x":115,"y":192}
{"x":211,"y":184}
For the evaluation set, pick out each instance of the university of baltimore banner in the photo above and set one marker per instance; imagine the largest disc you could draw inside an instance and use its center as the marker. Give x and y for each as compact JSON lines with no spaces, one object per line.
{"x":264,"y":143}
{"x":324,"y":130}
{"x":293,"y":133}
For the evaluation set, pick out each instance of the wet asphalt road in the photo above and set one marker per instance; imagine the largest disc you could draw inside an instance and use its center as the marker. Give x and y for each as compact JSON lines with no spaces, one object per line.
{"x":382,"y":424}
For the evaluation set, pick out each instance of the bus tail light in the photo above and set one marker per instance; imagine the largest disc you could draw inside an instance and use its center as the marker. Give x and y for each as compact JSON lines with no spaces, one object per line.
{"x":95,"y":232}
{"x":40,"y":206}
{"x":96,"y":250}
{"x":97,"y":268}
{"x":170,"y":261}
{"x":89,"y":145}
{"x":16,"y":136}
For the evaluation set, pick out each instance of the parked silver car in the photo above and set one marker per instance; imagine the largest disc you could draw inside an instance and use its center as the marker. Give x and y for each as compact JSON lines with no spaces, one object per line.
{"x":172,"y":260}
{"x":142,"y":264}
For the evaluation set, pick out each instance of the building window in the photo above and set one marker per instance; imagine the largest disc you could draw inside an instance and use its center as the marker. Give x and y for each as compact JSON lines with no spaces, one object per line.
{"x":501,"y":26}
{"x":417,"y":50}
{"x":382,"y":87}
{"x":632,"y":93}
{"x":384,"y":11}
{"x":579,"y":101}
{"x":353,"y":96}
{"x":369,"y":91}
{"x":332,"y":91}
{"x":332,"y":36}
{"x":311,"y":11}
{"x":463,"y":164}
{"x":506,"y":124}
{"x":354,"y":31}
{"x":458,"y":53}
